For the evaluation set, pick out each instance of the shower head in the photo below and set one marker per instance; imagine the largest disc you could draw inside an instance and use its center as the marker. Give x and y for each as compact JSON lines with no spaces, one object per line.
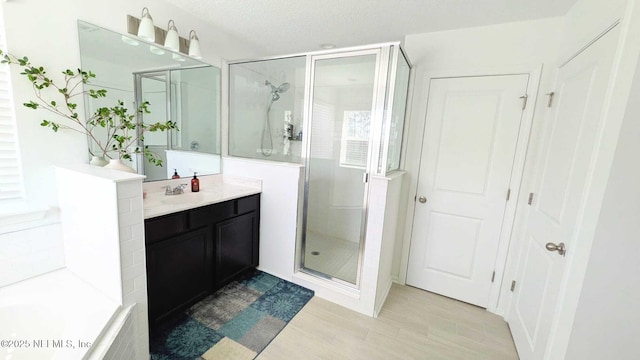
{"x":283,"y":87}
{"x":276,"y":90}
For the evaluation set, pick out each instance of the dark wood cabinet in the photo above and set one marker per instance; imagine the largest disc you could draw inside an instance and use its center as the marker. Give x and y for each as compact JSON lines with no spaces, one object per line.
{"x":235,"y":252}
{"x":194,"y":252}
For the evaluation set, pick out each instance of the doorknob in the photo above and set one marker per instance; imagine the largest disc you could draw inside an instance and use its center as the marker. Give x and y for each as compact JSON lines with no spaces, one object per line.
{"x":422,"y":199}
{"x":559,"y":248}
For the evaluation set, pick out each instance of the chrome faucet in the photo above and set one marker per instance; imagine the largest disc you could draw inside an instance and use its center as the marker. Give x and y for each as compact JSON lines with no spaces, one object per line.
{"x":176,"y":191}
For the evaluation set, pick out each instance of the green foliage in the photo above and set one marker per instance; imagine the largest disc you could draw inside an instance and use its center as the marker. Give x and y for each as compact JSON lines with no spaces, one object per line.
{"x":124,"y":131}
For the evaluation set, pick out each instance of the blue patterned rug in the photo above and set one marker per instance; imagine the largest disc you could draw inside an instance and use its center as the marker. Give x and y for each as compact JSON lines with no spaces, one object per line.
{"x":236,"y":322}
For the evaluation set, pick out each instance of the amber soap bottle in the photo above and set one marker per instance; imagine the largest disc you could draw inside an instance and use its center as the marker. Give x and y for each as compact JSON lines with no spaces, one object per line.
{"x":195,"y":183}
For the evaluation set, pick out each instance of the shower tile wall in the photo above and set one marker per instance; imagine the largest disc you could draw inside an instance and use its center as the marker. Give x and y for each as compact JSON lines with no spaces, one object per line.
{"x":249,"y":101}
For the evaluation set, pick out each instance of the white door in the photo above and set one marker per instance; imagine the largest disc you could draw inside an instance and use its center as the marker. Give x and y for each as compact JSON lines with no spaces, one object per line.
{"x":566,"y":154}
{"x":468,"y":150}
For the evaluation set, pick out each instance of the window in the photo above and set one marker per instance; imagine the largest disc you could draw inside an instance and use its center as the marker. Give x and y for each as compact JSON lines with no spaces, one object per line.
{"x":354,"y":147}
{"x":10,"y":172}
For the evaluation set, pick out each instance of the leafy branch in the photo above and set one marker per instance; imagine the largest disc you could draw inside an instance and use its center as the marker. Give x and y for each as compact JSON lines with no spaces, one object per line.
{"x":124,"y":131}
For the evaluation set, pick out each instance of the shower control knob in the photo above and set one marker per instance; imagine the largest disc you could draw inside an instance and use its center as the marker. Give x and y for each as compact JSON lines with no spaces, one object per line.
{"x":422,"y":199}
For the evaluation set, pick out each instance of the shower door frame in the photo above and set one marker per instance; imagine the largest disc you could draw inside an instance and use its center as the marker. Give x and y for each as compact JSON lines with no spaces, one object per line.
{"x":140,"y":116}
{"x":381,"y":75}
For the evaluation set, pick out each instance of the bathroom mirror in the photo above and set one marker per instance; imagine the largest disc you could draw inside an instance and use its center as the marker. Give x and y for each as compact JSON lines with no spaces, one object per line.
{"x":177,"y":87}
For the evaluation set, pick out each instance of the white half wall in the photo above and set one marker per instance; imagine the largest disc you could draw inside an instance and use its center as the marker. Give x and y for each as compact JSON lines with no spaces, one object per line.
{"x":278,"y":210}
{"x":89,"y":215}
{"x":389,"y":237}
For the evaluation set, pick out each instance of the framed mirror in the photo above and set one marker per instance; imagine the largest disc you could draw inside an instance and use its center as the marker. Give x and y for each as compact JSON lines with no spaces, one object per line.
{"x":178,"y":88}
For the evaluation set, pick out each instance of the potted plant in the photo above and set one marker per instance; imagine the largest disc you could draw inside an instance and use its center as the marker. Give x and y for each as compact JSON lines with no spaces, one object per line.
{"x":121,"y":132}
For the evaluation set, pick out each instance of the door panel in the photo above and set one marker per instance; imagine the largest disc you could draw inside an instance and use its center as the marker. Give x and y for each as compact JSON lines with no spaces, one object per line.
{"x":451,"y":231}
{"x":568,"y":148}
{"x":466,"y":142}
{"x":471,"y":134}
{"x":563,"y":144}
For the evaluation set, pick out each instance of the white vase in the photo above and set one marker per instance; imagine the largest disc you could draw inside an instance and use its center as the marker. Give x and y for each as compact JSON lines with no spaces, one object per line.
{"x":116,"y":164}
{"x":98,"y":161}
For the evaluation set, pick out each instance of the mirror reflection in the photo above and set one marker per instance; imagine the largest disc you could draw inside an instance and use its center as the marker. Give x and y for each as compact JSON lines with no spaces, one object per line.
{"x":177,"y":88}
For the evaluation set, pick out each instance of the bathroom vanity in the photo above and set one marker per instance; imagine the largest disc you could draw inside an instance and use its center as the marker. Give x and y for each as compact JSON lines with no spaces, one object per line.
{"x":192,"y":253}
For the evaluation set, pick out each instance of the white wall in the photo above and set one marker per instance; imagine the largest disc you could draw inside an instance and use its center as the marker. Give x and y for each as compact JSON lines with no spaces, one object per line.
{"x":506,"y":48}
{"x":112,"y":259}
{"x":91,"y":232}
{"x":278,"y":210}
{"x":389,"y":239}
{"x":46,"y":31}
{"x":607,"y":320}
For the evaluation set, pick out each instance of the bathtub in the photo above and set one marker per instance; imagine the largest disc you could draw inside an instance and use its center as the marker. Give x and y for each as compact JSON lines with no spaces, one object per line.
{"x":53,"y":316}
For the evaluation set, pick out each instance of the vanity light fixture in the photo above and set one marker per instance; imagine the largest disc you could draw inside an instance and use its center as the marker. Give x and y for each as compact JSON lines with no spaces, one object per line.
{"x":172,"y":41}
{"x":146,"y":30}
{"x":194,"y":45}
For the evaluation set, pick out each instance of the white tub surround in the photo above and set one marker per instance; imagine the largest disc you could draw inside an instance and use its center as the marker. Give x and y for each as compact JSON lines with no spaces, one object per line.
{"x":30,"y":252}
{"x":103,"y":231}
{"x":52,"y":316}
{"x":213,"y":189}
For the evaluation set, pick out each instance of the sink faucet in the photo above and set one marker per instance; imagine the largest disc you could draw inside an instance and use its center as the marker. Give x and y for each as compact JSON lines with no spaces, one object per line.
{"x":176,"y":191}
{"x":179,"y":189}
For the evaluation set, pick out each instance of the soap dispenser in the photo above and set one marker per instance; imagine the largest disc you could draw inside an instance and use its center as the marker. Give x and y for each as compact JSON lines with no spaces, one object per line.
{"x":195,"y":183}
{"x":175,"y":174}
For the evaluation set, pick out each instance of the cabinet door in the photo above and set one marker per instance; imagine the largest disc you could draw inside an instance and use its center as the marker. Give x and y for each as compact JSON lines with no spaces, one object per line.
{"x":236,"y":242}
{"x":178,"y":272}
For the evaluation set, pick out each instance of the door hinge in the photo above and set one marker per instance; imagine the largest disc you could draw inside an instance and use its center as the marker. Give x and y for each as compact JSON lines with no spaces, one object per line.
{"x":508,"y":194}
{"x":365,"y":178}
{"x":550,"y":95}
{"x":513,"y":285}
{"x":493,"y":276}
{"x":530,"y":198}
{"x":524,"y":101}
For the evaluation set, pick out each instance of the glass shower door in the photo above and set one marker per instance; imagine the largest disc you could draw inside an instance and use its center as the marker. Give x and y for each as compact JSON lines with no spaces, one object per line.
{"x":338,"y":151}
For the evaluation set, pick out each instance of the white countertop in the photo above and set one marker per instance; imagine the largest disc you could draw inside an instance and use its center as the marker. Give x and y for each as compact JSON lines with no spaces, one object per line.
{"x":213,"y":189}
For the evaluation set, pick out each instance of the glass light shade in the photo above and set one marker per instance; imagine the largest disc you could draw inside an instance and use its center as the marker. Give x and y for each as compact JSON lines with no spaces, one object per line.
{"x":156,"y":50}
{"x":146,"y":30}
{"x":177,"y":57}
{"x":129,"y":41}
{"x":194,"y":46}
{"x":172,"y":41}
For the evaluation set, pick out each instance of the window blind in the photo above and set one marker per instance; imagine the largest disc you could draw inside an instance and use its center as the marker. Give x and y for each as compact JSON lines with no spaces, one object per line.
{"x":354,"y":149}
{"x":10,"y":173}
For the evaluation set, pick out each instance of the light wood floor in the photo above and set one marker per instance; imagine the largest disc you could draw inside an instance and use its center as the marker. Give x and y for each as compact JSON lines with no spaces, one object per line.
{"x":413,"y":324}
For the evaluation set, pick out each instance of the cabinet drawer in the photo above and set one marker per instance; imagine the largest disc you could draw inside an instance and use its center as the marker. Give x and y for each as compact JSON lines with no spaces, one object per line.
{"x":164,"y":227}
{"x":249,"y":203}
{"x":210,"y":214}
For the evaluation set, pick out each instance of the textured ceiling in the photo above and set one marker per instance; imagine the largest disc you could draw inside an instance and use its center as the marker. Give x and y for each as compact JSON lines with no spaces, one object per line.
{"x":290,"y":26}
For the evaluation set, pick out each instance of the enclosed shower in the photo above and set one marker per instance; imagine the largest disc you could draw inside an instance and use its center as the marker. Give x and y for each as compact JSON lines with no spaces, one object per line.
{"x":340,"y":114}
